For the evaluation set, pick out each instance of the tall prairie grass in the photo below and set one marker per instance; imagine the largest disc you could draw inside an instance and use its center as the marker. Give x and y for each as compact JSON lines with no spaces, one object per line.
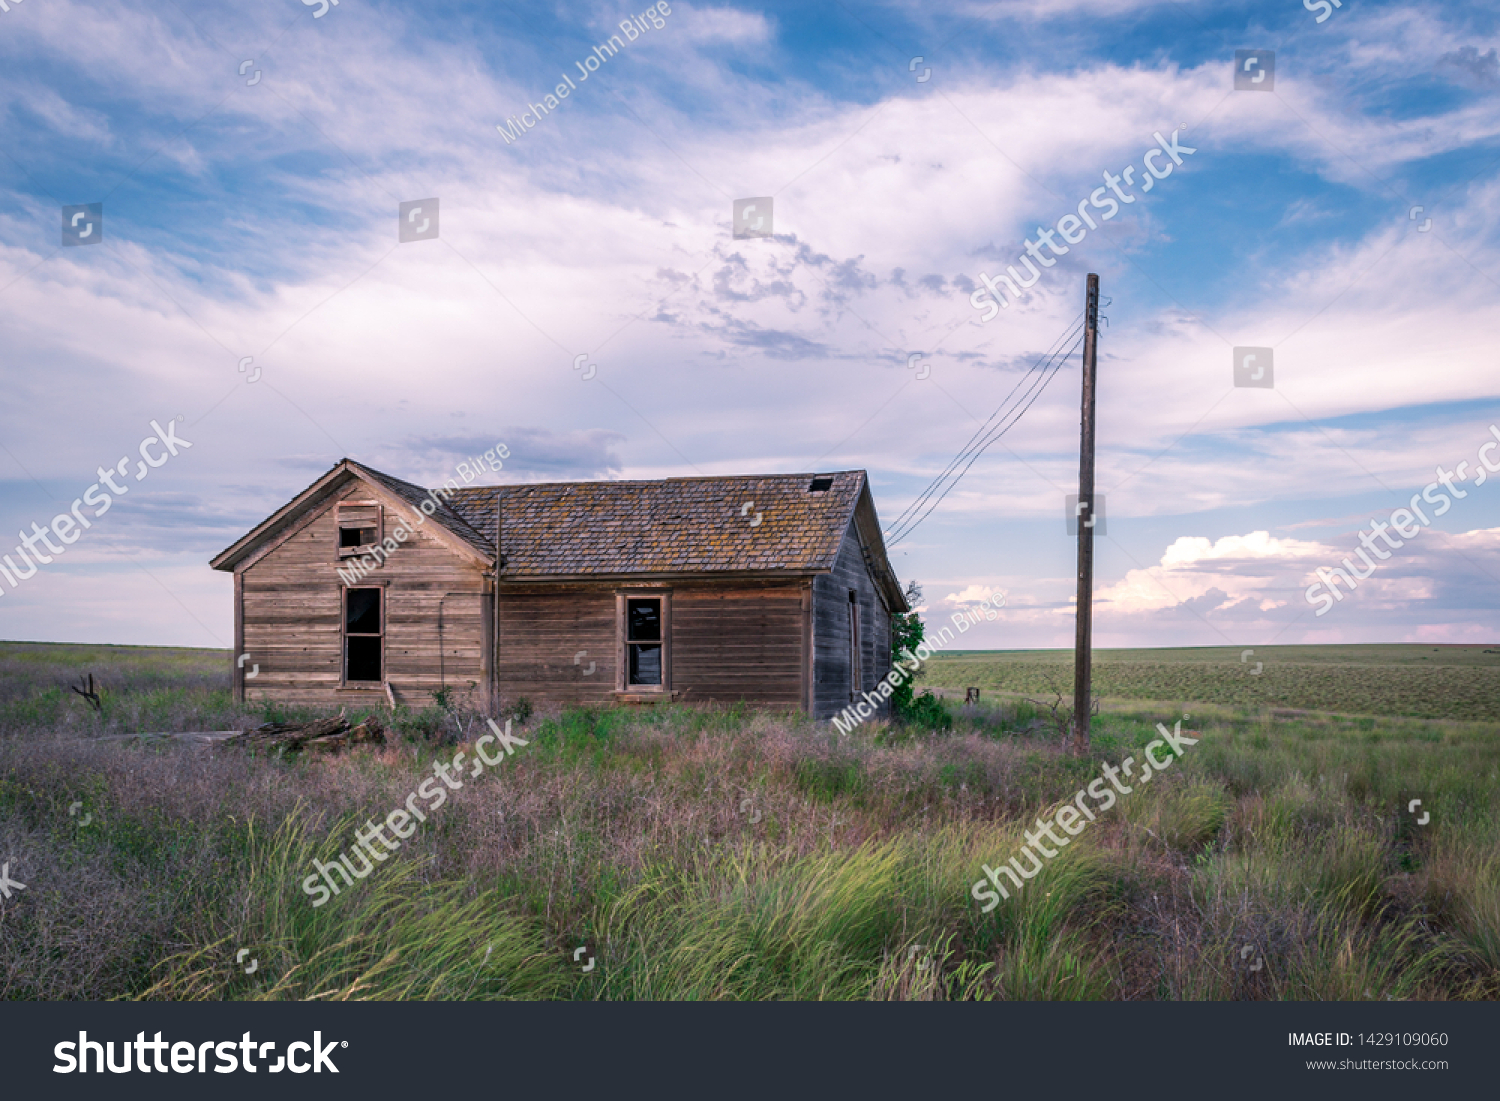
{"x":696,"y":854}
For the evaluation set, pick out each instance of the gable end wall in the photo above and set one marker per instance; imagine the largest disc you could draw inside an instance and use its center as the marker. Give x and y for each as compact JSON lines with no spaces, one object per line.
{"x":831,"y":672}
{"x":435,"y":617}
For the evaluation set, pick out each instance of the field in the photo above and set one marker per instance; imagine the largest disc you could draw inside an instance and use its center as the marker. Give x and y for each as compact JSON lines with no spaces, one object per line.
{"x":1431,"y":682}
{"x":692,"y":854}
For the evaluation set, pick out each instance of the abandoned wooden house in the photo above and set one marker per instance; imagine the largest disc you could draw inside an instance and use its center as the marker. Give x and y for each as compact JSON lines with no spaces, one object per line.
{"x":773,"y":590}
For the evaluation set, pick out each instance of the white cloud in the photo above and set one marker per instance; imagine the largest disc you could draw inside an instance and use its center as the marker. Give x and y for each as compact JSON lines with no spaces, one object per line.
{"x":1189,"y":550}
{"x":605,"y":235}
{"x":974,"y":594}
{"x":704,"y":25}
{"x":1217,"y":574}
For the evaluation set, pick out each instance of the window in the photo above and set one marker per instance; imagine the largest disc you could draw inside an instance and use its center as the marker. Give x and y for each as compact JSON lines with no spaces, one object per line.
{"x":855,"y":662}
{"x":643,"y":642}
{"x":363,"y":635}
{"x":359,"y":527}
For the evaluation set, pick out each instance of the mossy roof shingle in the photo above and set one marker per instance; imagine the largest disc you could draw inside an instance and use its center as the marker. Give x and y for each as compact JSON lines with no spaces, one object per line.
{"x":676,"y":525}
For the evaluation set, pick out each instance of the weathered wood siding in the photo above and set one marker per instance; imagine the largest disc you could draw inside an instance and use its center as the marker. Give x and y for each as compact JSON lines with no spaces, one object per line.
{"x":541,"y":631}
{"x":739,"y":644}
{"x":730,"y":642}
{"x":832,"y":674}
{"x":291,"y":607}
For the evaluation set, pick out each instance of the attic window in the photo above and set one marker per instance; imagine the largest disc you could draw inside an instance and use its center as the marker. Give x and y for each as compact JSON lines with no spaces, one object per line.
{"x":820,"y":485}
{"x":359,"y":527}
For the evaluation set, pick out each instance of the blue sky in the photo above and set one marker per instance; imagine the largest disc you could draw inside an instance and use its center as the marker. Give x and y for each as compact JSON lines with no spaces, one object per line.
{"x":250,"y":217}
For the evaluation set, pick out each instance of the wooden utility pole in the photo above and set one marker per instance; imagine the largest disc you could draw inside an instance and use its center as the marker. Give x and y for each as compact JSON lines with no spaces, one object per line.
{"x":494,"y":640}
{"x":1083,"y":667}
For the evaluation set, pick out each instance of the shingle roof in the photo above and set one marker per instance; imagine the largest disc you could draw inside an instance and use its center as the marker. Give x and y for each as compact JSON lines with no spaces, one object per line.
{"x":451,"y":519}
{"x":748,"y":523}
{"x":677,"y":525}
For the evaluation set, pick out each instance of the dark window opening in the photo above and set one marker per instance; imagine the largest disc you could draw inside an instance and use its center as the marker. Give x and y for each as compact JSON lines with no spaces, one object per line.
{"x":364,"y":658}
{"x":362,"y":635}
{"x":363,"y":612}
{"x":820,"y":485}
{"x":643,"y":641}
{"x":359,"y":526}
{"x":356,"y":537}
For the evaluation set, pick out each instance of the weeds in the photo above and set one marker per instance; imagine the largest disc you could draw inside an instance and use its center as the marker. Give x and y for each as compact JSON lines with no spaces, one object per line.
{"x":740,"y":855}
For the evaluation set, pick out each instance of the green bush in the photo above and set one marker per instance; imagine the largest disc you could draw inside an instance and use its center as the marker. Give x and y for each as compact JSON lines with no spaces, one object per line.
{"x":924,"y":711}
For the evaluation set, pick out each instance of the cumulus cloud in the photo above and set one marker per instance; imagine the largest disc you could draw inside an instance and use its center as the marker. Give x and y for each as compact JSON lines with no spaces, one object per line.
{"x":974,"y":594}
{"x":1242,"y":571}
{"x":1254,"y":587}
{"x":258,"y":222}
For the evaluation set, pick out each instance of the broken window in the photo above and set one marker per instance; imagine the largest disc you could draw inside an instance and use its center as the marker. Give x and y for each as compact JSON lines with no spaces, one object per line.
{"x":359,"y":527}
{"x":363,"y":635}
{"x":643,"y":642}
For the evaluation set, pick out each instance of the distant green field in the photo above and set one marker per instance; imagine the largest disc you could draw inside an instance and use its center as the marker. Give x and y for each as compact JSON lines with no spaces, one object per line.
{"x":1433,"y":682}
{"x":25,"y":667}
{"x":1430,"y":682}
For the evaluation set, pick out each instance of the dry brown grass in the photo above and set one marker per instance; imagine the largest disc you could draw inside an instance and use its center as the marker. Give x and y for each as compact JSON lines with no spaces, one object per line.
{"x":805,"y":863}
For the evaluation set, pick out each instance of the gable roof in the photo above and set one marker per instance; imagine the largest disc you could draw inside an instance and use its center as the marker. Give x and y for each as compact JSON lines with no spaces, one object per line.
{"x":443,"y":512}
{"x":458,"y":533}
{"x":673,"y":526}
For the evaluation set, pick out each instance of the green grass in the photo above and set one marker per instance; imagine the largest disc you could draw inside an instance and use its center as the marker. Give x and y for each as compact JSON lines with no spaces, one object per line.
{"x":1433,"y":682}
{"x":697,"y":854}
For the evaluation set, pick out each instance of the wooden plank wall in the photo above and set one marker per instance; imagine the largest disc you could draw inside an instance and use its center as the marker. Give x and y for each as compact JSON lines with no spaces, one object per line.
{"x":731,"y":641}
{"x":542,"y":629}
{"x":434,"y":617}
{"x":738,"y":644}
{"x":831,"y":677}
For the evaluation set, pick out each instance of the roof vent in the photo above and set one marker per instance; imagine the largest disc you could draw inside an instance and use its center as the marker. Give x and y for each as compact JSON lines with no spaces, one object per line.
{"x":820,"y":485}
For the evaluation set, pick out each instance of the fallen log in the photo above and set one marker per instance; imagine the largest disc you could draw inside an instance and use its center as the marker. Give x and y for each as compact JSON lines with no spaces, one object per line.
{"x":320,"y":735}
{"x":366,"y":733}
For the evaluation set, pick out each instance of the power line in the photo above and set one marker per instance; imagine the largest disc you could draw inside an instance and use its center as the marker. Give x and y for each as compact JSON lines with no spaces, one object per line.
{"x":986,"y":426}
{"x":995,"y":435}
{"x":999,"y":422}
